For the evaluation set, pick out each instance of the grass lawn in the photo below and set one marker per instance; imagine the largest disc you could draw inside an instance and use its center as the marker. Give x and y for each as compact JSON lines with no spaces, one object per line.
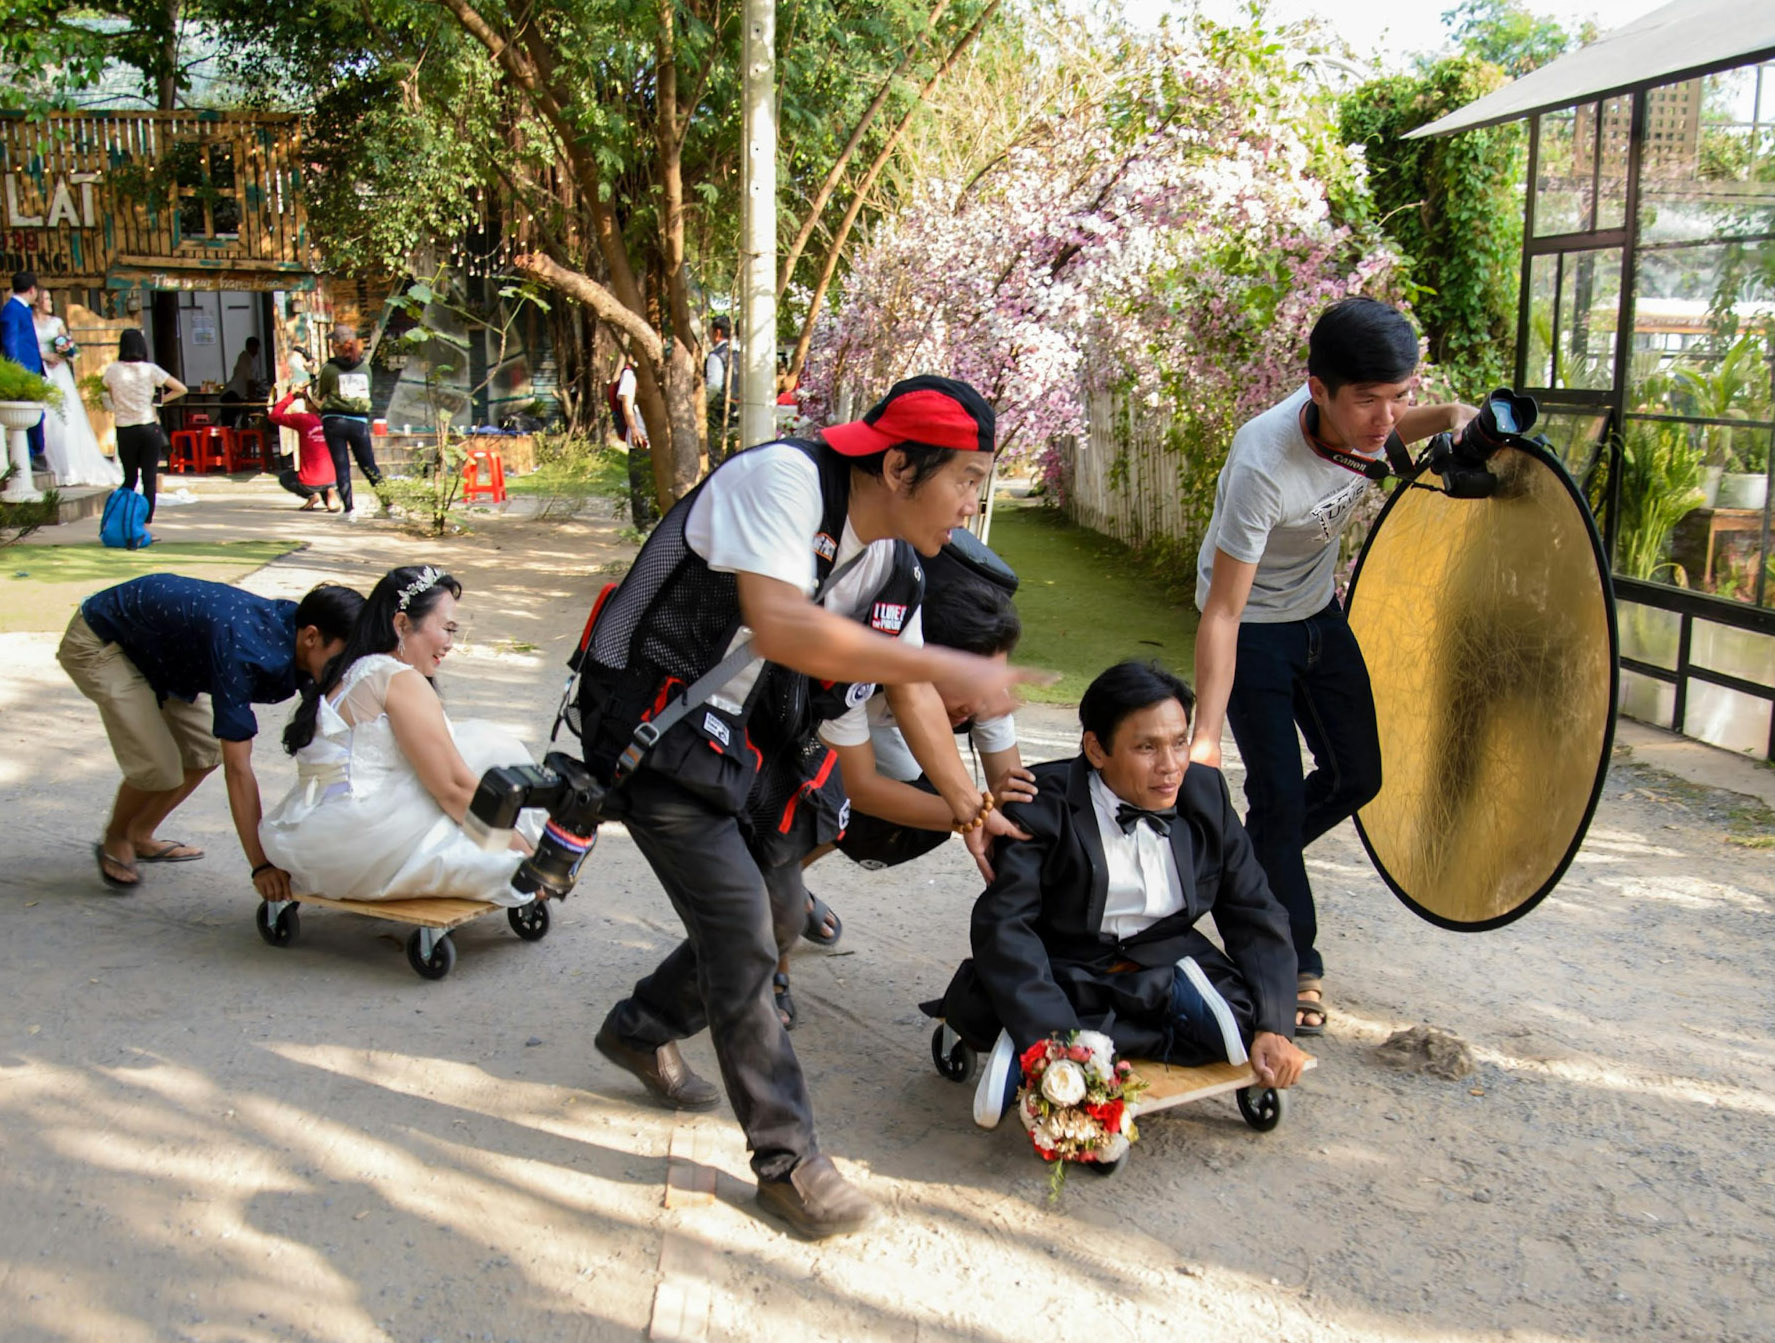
{"x":603,"y":473}
{"x":41,"y":585}
{"x":1088,"y":602}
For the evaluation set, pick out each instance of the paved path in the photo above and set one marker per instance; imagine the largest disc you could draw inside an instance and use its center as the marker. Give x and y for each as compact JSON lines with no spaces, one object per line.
{"x":205,"y":1138}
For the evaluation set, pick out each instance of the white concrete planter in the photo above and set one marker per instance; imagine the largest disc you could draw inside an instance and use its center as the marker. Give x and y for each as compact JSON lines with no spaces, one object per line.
{"x":1743,"y":490}
{"x":15,"y":418}
{"x":1710,"y":485}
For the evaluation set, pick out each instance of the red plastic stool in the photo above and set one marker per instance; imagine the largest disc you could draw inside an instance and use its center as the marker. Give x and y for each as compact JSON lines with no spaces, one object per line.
{"x":493,"y":487}
{"x":187,"y":449}
{"x":216,"y":450}
{"x":248,"y":446}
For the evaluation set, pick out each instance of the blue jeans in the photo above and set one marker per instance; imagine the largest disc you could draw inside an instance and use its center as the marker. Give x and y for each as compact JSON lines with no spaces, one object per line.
{"x":1308,"y":673}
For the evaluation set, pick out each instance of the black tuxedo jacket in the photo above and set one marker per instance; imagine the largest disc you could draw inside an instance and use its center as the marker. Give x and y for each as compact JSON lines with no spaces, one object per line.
{"x":1042,"y":963}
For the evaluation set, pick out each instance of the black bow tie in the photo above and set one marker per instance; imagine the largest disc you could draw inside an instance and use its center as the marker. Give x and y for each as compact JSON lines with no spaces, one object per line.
{"x":1128,"y":816}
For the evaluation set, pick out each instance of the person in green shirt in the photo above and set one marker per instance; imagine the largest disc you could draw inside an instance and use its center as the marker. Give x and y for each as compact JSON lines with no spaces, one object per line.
{"x":343,"y":390}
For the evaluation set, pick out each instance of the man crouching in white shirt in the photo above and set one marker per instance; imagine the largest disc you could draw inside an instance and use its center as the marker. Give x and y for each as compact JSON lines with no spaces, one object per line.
{"x":1090,"y":924}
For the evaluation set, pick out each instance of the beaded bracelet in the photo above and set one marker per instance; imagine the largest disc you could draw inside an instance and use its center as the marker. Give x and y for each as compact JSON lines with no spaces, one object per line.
{"x":263,"y":867}
{"x":987,"y":803}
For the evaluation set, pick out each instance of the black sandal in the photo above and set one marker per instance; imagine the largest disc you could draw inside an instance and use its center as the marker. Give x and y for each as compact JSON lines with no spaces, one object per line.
{"x":115,"y":883}
{"x":785,"y":1003}
{"x":819,"y":914}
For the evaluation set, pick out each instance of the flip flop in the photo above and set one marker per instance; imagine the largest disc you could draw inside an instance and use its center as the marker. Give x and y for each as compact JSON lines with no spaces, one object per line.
{"x":165,"y":854}
{"x":785,"y":1004}
{"x":116,"y":883}
{"x":819,"y":914}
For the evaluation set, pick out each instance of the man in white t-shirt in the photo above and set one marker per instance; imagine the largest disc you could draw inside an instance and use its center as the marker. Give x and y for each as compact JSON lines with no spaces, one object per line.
{"x":741,"y":557}
{"x":1274,"y":651}
{"x":642,"y":510}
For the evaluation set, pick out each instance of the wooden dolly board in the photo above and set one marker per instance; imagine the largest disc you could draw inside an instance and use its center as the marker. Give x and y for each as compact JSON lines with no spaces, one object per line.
{"x":1167,"y":1085}
{"x":430,"y":951}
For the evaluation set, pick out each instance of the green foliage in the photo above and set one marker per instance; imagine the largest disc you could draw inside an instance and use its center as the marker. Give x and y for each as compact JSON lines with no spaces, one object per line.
{"x":52,"y":50}
{"x":571,"y":471}
{"x":427,"y":498}
{"x":1661,"y":471}
{"x":1509,"y":35}
{"x":17,"y":521}
{"x":1453,"y":205}
{"x":18,"y":383}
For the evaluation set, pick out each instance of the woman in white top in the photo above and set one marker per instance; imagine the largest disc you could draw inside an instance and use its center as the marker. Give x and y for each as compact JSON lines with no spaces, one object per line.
{"x":68,"y":443}
{"x":384,"y":778}
{"x":130,"y":384}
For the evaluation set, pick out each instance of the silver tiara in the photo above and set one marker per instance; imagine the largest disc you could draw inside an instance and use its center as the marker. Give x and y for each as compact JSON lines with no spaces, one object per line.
{"x":428,"y":577}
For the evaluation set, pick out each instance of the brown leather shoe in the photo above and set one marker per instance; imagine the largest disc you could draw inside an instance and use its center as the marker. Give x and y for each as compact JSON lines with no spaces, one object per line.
{"x":816,"y":1201}
{"x":663,"y":1070}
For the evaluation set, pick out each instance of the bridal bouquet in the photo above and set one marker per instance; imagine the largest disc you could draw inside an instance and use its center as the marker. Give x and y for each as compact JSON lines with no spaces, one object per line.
{"x":64,"y":346}
{"x":1077,"y":1100}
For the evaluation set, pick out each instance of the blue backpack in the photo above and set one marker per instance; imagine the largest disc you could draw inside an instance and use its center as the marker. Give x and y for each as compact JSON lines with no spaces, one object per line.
{"x":124,"y":523}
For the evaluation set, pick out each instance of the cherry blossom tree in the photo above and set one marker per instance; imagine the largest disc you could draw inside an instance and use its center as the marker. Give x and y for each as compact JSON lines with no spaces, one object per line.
{"x":1171,"y":239}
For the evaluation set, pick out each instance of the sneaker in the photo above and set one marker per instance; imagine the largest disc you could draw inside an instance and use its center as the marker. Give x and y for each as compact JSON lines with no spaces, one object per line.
{"x":662,"y":1070}
{"x":1221,"y":1010}
{"x":816,"y":1201}
{"x":999,"y":1081}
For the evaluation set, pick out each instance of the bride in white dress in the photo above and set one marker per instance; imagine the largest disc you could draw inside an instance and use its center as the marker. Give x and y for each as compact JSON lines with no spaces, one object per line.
{"x":68,"y":443}
{"x":384,"y":778}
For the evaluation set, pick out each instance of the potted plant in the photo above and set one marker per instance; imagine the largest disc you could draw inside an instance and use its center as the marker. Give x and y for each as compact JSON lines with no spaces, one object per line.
{"x":23,"y":398}
{"x":1735,"y":388}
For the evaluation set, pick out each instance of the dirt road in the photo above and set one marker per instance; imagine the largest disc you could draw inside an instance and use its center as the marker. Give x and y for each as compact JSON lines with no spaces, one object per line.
{"x":205,"y":1138}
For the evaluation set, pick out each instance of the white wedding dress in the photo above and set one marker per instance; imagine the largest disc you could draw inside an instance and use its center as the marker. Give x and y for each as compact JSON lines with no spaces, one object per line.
{"x":68,"y":443}
{"x":360,"y":825}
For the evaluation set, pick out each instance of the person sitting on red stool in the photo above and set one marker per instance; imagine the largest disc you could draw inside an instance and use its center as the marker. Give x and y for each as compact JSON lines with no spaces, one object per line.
{"x":312,"y":478}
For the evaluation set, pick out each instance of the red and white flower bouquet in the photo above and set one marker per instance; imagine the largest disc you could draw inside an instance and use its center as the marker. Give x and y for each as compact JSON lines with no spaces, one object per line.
{"x":1077,"y":1100}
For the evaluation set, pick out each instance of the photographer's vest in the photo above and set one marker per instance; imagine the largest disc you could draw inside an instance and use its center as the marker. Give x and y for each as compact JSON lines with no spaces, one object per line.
{"x":673,"y":618}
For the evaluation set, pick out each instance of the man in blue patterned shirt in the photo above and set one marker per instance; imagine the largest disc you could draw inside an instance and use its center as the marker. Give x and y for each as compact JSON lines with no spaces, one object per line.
{"x":146,"y":652}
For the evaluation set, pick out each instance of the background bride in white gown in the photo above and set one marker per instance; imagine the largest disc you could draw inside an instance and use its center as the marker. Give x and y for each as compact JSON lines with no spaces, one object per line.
{"x":68,"y":443}
{"x":383,"y":776}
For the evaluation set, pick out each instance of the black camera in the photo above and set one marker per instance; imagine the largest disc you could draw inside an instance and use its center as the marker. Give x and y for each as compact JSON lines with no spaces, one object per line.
{"x":1503,"y":421}
{"x":574,"y":801}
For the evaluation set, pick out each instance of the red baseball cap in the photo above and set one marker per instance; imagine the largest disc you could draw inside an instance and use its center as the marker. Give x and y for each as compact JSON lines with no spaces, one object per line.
{"x":940,"y":412}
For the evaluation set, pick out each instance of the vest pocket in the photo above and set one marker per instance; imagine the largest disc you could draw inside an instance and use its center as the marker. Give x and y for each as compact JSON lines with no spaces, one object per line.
{"x":709,"y":756}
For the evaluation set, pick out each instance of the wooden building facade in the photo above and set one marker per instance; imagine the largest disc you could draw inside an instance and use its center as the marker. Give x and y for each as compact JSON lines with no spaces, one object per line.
{"x":155,"y":200}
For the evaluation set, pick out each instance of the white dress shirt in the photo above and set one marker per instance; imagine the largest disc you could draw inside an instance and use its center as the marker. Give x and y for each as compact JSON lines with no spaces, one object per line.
{"x":1143,"y":881}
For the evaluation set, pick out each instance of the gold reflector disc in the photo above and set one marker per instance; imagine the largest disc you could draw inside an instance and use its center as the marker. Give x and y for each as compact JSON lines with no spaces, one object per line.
{"x":1488,"y":629}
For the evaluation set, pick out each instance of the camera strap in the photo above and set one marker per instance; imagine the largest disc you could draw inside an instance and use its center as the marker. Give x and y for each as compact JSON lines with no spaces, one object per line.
{"x":1398,"y":459}
{"x":739,"y":657}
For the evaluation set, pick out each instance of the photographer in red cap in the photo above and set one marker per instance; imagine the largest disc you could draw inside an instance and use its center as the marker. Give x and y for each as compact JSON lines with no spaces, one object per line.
{"x":810,"y":549}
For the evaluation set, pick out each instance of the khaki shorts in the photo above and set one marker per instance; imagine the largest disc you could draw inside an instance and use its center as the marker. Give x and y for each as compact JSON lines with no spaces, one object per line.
{"x":155,"y":743}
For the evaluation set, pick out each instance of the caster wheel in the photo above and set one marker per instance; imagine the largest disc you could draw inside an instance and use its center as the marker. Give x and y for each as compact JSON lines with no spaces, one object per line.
{"x":1107,"y":1168}
{"x":281,"y":933}
{"x":1263,"y":1109}
{"x":955,"y":1061}
{"x":439,"y":964}
{"x":531,"y":921}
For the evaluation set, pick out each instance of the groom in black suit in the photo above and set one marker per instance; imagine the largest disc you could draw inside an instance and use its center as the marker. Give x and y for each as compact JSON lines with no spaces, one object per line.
{"x":1091,"y":922}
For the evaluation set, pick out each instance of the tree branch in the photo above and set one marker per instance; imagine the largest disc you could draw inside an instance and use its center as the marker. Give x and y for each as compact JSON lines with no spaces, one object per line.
{"x":836,"y":173}
{"x":856,"y":206}
{"x":595,"y":296}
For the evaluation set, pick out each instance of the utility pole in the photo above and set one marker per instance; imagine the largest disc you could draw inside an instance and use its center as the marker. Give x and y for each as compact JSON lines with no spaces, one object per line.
{"x":758,"y":228}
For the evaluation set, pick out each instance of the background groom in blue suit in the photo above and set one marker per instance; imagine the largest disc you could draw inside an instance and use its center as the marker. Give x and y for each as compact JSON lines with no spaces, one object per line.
{"x":18,"y":342}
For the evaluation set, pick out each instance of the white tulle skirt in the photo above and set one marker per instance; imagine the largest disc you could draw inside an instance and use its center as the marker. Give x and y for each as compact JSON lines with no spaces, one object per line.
{"x":371,"y":831}
{"x":68,"y":443}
